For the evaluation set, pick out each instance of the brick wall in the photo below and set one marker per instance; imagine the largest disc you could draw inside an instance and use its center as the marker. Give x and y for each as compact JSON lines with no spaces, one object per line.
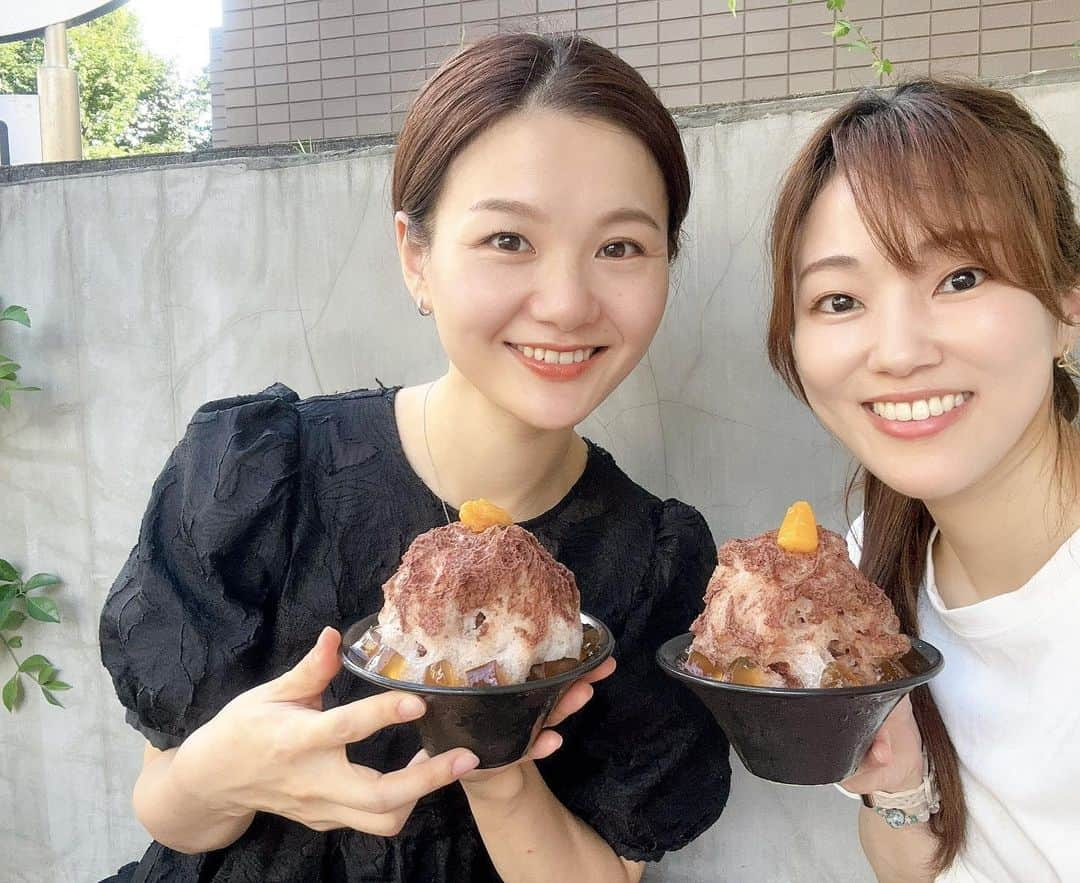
{"x":310,"y":69}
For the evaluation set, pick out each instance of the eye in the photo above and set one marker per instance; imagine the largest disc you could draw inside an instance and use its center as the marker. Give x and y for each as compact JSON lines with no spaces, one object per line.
{"x":511,"y":242}
{"x":621,"y":249}
{"x":962,"y":280}
{"x":837,"y":303}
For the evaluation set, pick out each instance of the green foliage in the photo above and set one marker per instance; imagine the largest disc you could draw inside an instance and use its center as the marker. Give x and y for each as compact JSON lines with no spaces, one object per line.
{"x":9,"y":368}
{"x":841,"y":30}
{"x":21,"y":599}
{"x":132,"y":100}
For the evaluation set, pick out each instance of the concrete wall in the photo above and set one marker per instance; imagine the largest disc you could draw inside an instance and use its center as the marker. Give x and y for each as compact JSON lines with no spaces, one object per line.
{"x":155,"y":290}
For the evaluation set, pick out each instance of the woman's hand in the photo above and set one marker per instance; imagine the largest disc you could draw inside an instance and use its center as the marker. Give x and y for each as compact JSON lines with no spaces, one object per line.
{"x":273,"y":749}
{"x":506,"y":781}
{"x":895,"y":760}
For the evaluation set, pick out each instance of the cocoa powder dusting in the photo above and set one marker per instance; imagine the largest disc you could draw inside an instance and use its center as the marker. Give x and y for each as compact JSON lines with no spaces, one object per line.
{"x":452,"y":569}
{"x":770,"y":605}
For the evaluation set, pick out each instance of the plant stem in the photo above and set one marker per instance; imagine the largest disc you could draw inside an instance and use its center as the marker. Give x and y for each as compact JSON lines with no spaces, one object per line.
{"x":13,"y":656}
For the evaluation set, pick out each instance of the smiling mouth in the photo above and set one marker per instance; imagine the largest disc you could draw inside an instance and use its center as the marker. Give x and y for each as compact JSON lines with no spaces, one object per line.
{"x":558,"y":357}
{"x":918,"y":410}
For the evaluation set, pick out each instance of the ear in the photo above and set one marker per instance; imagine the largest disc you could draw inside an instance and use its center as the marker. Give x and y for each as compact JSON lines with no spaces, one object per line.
{"x":412,"y":258}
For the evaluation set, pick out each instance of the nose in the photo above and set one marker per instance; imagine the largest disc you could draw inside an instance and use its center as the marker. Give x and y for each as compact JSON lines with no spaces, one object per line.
{"x":565,"y":297}
{"x":904,"y":339}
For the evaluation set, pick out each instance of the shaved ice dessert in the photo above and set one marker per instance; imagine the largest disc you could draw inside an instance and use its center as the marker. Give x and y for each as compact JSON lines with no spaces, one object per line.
{"x":477,"y":603}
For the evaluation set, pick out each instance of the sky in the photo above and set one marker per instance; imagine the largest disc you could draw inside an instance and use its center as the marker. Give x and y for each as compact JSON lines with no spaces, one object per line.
{"x":179,"y":30}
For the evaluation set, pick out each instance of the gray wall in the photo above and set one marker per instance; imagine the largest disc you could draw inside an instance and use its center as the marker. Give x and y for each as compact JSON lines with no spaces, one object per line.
{"x":153,"y":291}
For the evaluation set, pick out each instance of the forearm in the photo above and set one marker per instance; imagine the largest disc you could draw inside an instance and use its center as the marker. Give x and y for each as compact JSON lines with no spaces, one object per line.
{"x":532,"y":838}
{"x":177,"y":818}
{"x":897,"y":855}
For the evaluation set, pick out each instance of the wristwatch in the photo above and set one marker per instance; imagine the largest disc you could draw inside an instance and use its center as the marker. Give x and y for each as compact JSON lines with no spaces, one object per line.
{"x":900,"y":808}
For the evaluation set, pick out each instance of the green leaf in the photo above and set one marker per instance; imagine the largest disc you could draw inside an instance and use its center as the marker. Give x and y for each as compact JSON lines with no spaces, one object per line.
{"x":8,"y":594}
{"x":841,"y":29}
{"x":14,"y":642}
{"x":46,"y":674}
{"x":732,"y":6}
{"x":52,"y":700}
{"x":12,"y":621}
{"x":5,"y":399}
{"x":42,"y":609}
{"x":58,"y":685}
{"x":16,"y":313}
{"x":12,"y":692}
{"x":8,"y":573}
{"x":834,"y":5}
{"x":34,"y":663}
{"x":883,"y":67}
{"x":40,"y":581}
{"x":27,"y":388}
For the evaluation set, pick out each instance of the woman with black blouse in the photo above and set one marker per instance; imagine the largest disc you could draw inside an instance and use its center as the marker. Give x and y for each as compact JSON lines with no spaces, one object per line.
{"x":539,"y":187}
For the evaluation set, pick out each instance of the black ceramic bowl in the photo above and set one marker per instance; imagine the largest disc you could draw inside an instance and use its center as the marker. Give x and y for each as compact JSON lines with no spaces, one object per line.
{"x":497,"y":724}
{"x":801,"y":736}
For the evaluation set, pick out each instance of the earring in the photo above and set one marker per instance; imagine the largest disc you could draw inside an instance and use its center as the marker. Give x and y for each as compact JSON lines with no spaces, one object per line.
{"x":422,"y":310}
{"x":1069,"y":364}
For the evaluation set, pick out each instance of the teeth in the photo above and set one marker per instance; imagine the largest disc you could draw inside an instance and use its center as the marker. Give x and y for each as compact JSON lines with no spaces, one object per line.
{"x":922,"y":409}
{"x":555,"y":357}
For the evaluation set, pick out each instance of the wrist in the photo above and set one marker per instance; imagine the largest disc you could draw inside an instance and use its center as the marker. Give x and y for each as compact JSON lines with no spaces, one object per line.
{"x":495,"y":786}
{"x":197,"y":782}
{"x":907,"y":805}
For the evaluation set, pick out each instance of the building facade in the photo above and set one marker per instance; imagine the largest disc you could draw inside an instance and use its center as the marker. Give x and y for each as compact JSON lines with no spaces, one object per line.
{"x":284,"y":70}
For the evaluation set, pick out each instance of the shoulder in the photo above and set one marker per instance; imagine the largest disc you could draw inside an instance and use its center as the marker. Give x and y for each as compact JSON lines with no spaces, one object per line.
{"x":671,"y":537}
{"x":624,"y":498}
{"x":277,"y":420}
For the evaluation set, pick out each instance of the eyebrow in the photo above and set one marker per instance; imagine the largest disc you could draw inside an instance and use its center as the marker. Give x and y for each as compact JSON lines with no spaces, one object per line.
{"x":839,"y":261}
{"x":510,"y":207}
{"x":630,"y":215}
{"x":517,"y":207}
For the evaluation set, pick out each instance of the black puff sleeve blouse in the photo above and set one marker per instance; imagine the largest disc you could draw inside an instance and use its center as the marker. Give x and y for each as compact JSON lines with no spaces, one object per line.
{"x":275,"y":517}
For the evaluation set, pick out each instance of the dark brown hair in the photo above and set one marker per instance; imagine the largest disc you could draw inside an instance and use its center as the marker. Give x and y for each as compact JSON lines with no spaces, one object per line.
{"x":937,"y":161}
{"x":505,"y":73}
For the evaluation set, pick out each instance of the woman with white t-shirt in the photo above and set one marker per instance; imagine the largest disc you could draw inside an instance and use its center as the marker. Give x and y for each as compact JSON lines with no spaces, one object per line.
{"x":926,"y":293}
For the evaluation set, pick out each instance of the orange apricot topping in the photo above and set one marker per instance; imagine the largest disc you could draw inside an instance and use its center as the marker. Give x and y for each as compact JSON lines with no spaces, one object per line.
{"x":479,"y":515}
{"x":799,"y":532}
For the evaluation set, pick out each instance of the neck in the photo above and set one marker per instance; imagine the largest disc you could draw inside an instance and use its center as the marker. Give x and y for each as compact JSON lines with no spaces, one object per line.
{"x":473,"y":448}
{"x":997,"y":534}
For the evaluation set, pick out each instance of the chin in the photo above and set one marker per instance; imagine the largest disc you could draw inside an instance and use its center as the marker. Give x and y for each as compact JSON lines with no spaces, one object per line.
{"x":551,"y":419}
{"x":926,"y":483}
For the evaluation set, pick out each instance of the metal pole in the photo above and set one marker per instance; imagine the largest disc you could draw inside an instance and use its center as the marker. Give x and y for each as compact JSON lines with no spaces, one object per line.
{"x":58,"y":98}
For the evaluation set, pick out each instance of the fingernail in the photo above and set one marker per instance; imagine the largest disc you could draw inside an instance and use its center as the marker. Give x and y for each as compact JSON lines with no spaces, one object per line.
{"x":463,"y":763}
{"x":411,"y":706}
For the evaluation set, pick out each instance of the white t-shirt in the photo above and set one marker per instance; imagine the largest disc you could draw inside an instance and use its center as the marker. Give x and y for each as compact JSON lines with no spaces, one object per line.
{"x":1010,"y":698}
